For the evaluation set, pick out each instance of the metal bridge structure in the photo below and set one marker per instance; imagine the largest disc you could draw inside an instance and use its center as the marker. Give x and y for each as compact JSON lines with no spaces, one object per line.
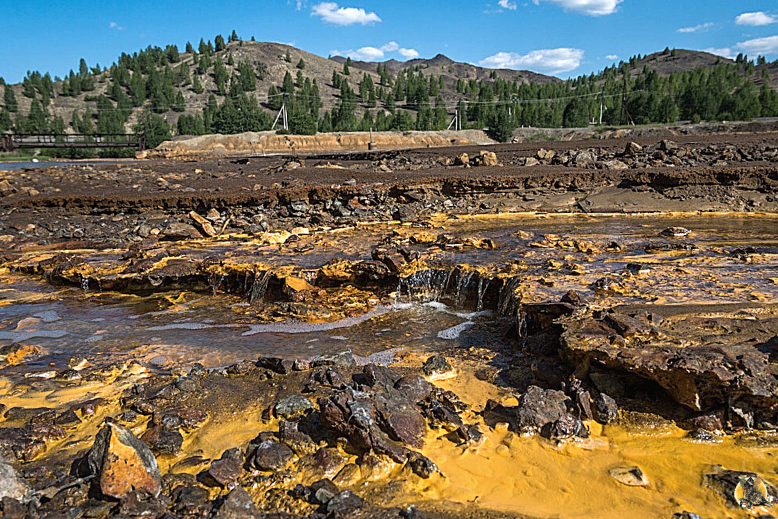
{"x":21,"y":141}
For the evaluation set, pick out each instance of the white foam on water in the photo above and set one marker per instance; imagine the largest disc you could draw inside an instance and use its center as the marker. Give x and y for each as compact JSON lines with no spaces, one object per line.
{"x":339,"y":338}
{"x":192,"y":326}
{"x":454,"y":332}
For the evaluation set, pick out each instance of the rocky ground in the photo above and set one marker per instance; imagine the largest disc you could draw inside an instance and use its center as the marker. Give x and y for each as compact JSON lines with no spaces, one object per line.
{"x":661,"y":331}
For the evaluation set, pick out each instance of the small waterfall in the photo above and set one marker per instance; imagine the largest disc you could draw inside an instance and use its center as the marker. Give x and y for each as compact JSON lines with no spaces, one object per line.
{"x":507,"y":301}
{"x":259,"y":287}
{"x":424,"y":285}
{"x":483,"y":286}
{"x":462,"y":284}
{"x":84,"y":283}
{"x":216,"y":281}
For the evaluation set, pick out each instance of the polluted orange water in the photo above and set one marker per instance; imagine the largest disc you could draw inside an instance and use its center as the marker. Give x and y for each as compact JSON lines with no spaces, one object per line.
{"x":133,"y":336}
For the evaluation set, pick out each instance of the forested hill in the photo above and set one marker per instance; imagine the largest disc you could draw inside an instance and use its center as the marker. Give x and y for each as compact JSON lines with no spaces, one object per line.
{"x":231,"y":86}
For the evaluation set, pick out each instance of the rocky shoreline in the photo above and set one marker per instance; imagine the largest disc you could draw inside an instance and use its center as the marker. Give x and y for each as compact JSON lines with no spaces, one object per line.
{"x":604,"y":329}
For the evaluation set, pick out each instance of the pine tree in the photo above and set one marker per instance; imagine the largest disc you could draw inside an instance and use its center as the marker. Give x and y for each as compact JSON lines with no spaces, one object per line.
{"x":154,"y":128}
{"x":9,"y":99}
{"x":288,"y":56}
{"x":301,"y":64}
{"x":197,"y":87}
{"x":219,"y":42}
{"x":346,"y":65}
{"x":189,"y":48}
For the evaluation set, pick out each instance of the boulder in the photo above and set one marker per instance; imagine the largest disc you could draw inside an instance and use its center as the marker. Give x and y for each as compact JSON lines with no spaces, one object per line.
{"x":437,"y":366}
{"x":12,"y":486}
{"x":226,"y":470}
{"x":538,"y":407}
{"x":632,"y":149}
{"x":180,"y":231}
{"x":293,"y":406}
{"x":604,"y":409}
{"x":271,"y":456}
{"x":237,"y":505}
{"x":122,"y":464}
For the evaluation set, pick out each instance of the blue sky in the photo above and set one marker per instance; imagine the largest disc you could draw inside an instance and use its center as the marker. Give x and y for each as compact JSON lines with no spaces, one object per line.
{"x":560,"y":37}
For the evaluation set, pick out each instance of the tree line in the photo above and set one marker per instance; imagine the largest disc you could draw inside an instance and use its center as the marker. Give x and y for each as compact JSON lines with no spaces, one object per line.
{"x":145,"y":89}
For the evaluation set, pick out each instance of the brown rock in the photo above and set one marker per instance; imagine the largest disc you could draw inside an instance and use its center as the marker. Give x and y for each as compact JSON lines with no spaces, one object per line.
{"x":204,"y":224}
{"x":123,"y":464}
{"x":226,"y":470}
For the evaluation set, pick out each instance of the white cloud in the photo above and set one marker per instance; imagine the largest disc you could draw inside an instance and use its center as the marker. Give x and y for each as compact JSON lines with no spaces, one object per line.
{"x":763,"y":46}
{"x":507,"y":4}
{"x":114,"y":25}
{"x":611,"y":57}
{"x":298,"y":3}
{"x":409,"y":53}
{"x":756,"y":19}
{"x":390,"y":47}
{"x":377,"y":53}
{"x":697,"y":28}
{"x":587,"y":7}
{"x":331,"y":13}
{"x":552,"y":61}
{"x":724,"y":52}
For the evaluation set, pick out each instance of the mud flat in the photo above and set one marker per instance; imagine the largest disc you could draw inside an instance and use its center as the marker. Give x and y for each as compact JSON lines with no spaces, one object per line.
{"x":566,"y":331}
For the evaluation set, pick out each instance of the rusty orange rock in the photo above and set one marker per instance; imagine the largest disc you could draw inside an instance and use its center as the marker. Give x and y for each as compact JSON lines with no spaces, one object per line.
{"x":123,"y":464}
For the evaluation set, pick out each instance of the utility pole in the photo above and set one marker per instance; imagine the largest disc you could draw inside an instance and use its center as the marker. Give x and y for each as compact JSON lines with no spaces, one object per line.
{"x":282,"y":115}
{"x":455,"y":122}
{"x":602,"y":105}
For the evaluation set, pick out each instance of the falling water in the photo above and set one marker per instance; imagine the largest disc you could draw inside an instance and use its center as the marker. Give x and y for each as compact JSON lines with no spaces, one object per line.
{"x":507,"y":301}
{"x":259,"y":287}
{"x":424,"y":286}
{"x":483,"y":286}
{"x":462,"y":285}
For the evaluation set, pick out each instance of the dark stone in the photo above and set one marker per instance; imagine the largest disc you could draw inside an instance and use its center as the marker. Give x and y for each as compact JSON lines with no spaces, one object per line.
{"x":422,"y":466}
{"x":293,"y":406}
{"x":191,"y":501}
{"x":703,"y":436}
{"x":726,"y":481}
{"x":583,"y":404}
{"x":712,"y":421}
{"x":226,"y":470}
{"x":566,"y":427}
{"x":344,"y":360}
{"x":237,"y":505}
{"x":271,"y":456}
{"x":322,"y":491}
{"x":402,"y":421}
{"x":414,"y":387}
{"x":163,"y":441}
{"x":298,"y":441}
{"x":375,"y":374}
{"x":436,"y":365}
{"x":445,"y":417}
{"x":345,"y":503}
{"x":540,"y":317}
{"x":191,"y":419}
{"x":604,"y":409}
{"x":538,"y":407}
{"x":276,"y":364}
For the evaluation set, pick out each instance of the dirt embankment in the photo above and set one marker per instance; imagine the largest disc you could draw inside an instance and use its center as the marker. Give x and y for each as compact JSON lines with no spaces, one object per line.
{"x":262,"y":143}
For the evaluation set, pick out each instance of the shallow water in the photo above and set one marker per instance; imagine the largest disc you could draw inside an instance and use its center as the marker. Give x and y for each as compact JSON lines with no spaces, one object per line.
{"x":432,"y":311}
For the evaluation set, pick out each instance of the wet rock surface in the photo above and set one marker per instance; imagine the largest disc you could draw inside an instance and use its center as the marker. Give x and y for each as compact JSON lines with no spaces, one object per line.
{"x":644,"y":326}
